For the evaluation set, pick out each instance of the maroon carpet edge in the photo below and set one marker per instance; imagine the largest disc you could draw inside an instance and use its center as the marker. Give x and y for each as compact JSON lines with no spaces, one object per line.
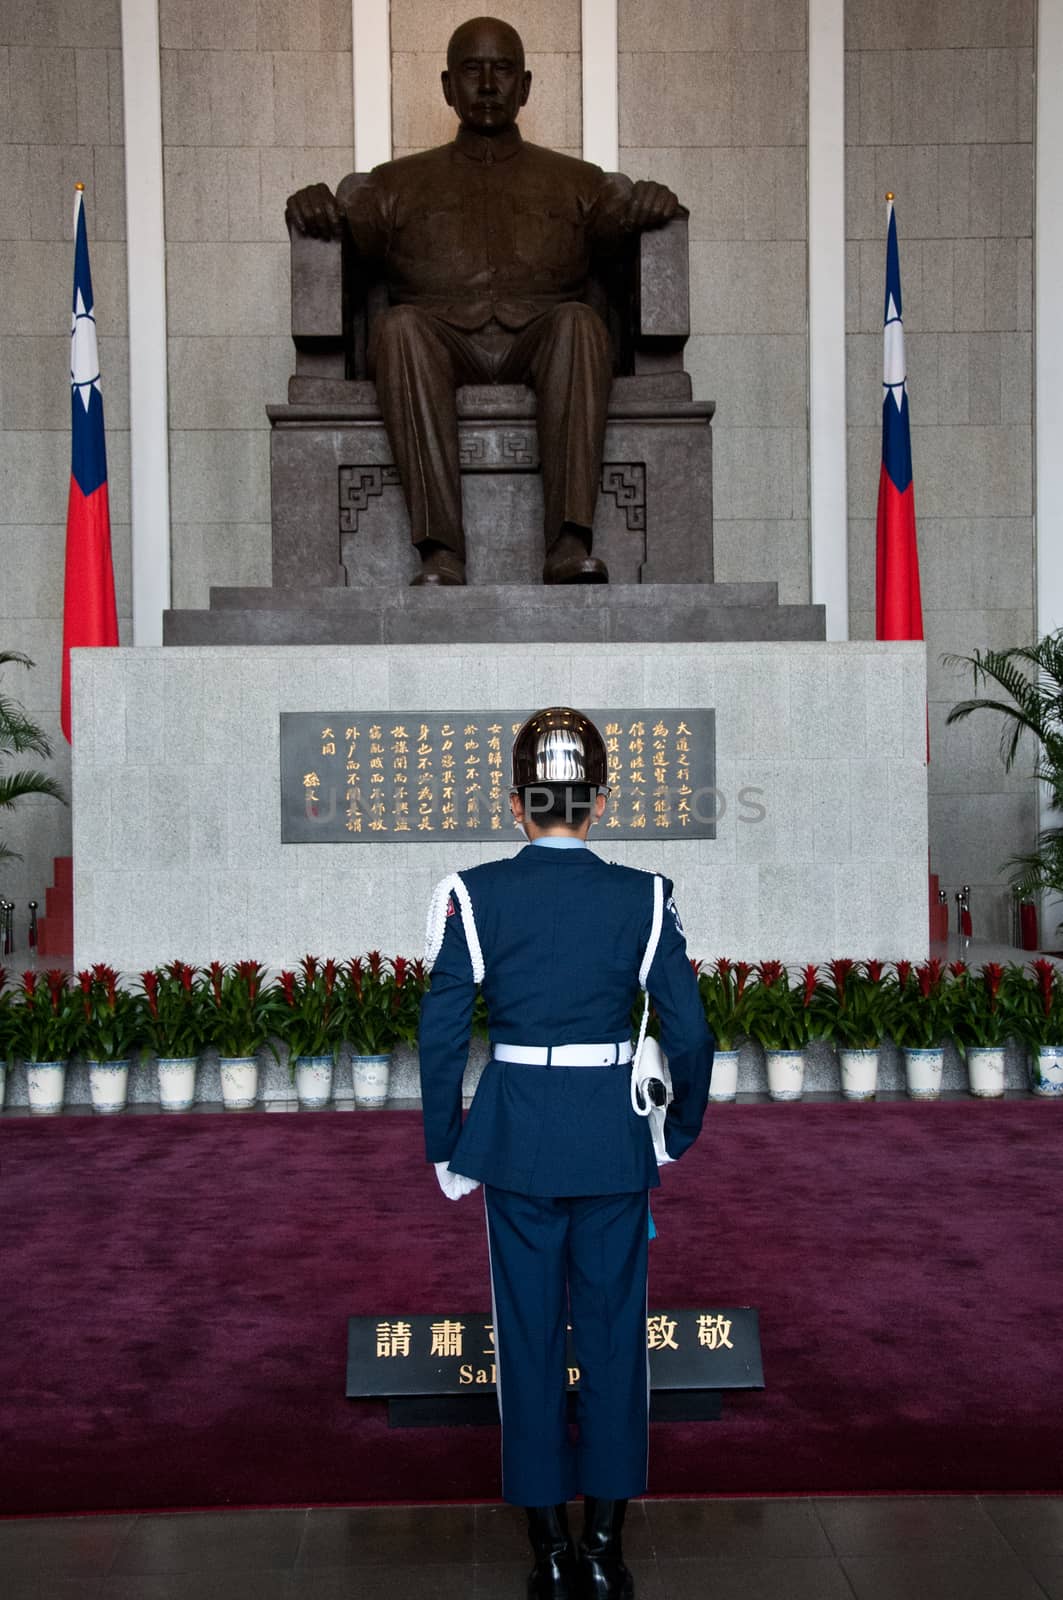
{"x":178,"y":1290}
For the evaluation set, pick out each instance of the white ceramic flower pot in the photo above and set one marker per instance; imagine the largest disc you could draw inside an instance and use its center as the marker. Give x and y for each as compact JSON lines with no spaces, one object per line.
{"x":922,"y":1072}
{"x":177,"y":1082}
{"x":371,"y":1076}
{"x":313,"y":1080}
{"x":859,"y":1073}
{"x":108,"y":1085}
{"x":239,"y":1082}
{"x":1046,"y":1070}
{"x":786,"y":1073}
{"x":46,"y":1082}
{"x":985,"y":1071}
{"x":724,"y":1082}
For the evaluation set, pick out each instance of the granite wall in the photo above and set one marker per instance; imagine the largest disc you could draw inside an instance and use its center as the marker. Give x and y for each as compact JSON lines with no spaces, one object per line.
{"x":60,"y":123}
{"x":939,"y":109}
{"x":256,"y":102}
{"x":713,"y":101}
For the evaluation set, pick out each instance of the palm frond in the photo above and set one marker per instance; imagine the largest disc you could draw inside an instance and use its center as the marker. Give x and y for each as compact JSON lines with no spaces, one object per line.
{"x":15,"y":785}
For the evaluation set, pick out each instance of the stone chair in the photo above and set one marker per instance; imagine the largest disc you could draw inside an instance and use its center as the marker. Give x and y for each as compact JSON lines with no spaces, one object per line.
{"x":338,"y":514}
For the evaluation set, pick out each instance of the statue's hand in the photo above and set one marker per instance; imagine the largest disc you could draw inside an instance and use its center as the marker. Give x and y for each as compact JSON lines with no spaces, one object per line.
{"x":313,"y":210}
{"x":651,"y":205}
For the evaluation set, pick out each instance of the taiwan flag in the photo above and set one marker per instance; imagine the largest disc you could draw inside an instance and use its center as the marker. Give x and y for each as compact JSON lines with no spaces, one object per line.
{"x":89,"y":612}
{"x":898,"y":608}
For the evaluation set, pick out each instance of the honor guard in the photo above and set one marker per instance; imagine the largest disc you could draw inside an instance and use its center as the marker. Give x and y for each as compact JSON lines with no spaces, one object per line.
{"x":560,"y":1135}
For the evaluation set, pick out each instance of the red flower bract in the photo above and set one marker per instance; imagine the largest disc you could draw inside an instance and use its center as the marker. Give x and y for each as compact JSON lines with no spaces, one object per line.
{"x":288,"y":985}
{"x":810,"y":975}
{"x":771,"y":972}
{"x":839,"y":969}
{"x":874,"y":970}
{"x":400,"y":966}
{"x":1046,"y":977}
{"x":992,"y":974}
{"x":29,"y":983}
{"x":904,"y":972}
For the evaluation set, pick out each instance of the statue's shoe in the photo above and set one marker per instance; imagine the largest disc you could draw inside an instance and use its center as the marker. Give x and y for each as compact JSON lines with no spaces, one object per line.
{"x":571,"y":562}
{"x":441,"y":567}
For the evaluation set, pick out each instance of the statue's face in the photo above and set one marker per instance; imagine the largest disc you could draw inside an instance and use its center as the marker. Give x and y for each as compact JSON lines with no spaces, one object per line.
{"x":485,"y":80}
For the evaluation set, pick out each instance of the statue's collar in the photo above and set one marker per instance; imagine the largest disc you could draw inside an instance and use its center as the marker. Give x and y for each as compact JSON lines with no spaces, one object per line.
{"x":499,"y":147}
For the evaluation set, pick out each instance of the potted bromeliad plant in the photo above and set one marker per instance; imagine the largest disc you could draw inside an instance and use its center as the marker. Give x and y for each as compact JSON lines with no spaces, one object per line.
{"x":240,"y":1015}
{"x":45,"y":1026}
{"x":1037,"y":1013}
{"x":775,"y":1018}
{"x":114,"y":1033}
{"x":855,"y":1000}
{"x":982,"y":1019}
{"x":725,"y":992}
{"x":919,"y":1013}
{"x":366,"y":1003}
{"x":381,"y":1008}
{"x":175,"y":1029}
{"x":310,"y":1023}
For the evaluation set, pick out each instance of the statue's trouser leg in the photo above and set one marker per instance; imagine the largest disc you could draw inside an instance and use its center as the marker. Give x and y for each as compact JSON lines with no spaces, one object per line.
{"x":565,"y":356}
{"x":418,"y":362}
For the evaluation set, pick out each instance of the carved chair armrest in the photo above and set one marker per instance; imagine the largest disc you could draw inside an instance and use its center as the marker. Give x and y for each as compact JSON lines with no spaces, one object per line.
{"x":662,"y":296}
{"x":317,"y":306}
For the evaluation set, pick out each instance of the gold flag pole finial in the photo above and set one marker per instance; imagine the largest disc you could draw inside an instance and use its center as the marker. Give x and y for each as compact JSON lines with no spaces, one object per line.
{"x":889,"y":194}
{"x":80,"y":187}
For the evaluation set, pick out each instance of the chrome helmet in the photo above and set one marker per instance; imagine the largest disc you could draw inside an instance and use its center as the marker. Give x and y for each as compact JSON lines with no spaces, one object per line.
{"x":559,"y":745}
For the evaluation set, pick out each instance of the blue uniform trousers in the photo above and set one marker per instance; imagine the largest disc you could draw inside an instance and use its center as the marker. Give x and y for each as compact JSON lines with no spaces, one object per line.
{"x":554,"y":1261}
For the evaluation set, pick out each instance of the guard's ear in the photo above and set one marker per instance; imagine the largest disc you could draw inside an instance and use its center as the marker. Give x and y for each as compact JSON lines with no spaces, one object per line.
{"x":525,"y":89}
{"x":444,"y":78}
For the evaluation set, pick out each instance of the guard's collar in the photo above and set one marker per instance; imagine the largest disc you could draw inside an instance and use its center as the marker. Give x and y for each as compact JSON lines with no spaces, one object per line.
{"x":493,"y":147}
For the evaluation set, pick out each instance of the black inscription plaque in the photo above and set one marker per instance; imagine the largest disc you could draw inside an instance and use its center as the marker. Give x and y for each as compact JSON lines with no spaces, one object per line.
{"x":389,"y":1356}
{"x":403,"y":776}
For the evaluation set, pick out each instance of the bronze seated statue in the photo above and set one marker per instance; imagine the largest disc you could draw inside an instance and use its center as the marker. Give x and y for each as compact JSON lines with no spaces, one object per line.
{"x":498,"y":308}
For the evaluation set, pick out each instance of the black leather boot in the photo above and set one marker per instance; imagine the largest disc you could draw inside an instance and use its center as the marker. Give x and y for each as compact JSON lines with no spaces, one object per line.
{"x":602,"y":1573}
{"x":554,"y":1575}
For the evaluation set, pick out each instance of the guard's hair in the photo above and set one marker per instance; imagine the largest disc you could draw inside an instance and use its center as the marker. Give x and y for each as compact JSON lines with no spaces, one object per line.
{"x":548,"y":803}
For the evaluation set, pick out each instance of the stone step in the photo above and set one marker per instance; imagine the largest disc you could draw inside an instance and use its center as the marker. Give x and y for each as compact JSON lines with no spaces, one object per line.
{"x":500,"y":614}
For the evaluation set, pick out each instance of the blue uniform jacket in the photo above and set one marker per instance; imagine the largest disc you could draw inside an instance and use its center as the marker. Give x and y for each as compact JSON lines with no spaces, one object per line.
{"x":563,"y":935}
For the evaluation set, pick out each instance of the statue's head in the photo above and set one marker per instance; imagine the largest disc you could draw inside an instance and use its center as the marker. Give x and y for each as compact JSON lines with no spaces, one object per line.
{"x":486,"y":81}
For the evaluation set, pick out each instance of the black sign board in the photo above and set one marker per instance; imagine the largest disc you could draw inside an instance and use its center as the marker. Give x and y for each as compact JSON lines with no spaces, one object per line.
{"x":391,"y":1356}
{"x":423,"y":776}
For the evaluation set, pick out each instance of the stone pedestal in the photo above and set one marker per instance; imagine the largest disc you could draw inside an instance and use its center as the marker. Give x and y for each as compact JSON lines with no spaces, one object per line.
{"x":176,"y":800}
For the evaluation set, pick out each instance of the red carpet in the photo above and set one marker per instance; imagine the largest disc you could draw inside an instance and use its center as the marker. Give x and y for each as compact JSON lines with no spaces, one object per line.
{"x":176,"y":1289}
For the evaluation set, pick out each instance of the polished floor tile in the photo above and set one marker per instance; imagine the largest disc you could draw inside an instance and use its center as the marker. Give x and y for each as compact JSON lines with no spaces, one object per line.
{"x":869,"y":1527}
{"x":407,"y":1535}
{"x":722,"y":1529}
{"x":786,"y":1578}
{"x":76,"y":1546}
{"x":927,"y":1576}
{"x":206,"y":1541}
{"x":1032,"y":1524}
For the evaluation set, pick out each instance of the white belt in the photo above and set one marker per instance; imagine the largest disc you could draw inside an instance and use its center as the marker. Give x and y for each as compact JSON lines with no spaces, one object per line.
{"x":564,"y":1055}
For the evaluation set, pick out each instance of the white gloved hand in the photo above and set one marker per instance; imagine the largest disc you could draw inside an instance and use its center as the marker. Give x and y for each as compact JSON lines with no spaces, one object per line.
{"x":665,"y":1160}
{"x":453,"y":1184}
